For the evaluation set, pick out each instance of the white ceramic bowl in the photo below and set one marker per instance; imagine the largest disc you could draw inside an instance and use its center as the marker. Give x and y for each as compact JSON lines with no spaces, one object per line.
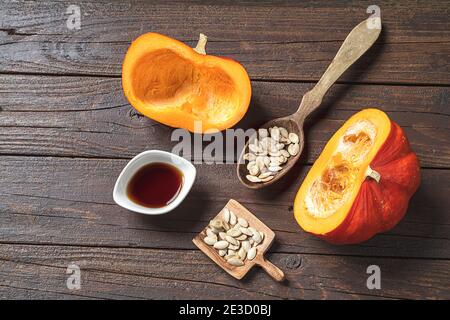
{"x":142,"y":159}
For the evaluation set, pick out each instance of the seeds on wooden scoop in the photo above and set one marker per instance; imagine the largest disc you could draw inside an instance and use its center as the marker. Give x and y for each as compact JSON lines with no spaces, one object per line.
{"x":233,"y":238}
{"x":269,"y":151}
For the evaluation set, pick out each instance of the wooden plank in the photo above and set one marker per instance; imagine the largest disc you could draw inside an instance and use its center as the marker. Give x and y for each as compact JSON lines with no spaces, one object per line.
{"x":290,"y":41}
{"x":45,"y":200}
{"x":89,"y":116}
{"x":112,"y":273}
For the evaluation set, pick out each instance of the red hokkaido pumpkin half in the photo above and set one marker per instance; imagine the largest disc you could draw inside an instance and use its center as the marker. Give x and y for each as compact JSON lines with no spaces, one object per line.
{"x":183,"y":87}
{"x":361,"y":183}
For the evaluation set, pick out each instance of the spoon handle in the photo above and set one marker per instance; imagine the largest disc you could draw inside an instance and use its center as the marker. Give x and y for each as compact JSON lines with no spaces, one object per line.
{"x":359,"y":40}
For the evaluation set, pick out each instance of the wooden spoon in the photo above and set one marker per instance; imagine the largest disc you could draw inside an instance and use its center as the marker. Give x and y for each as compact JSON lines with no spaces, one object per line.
{"x":355,"y":45}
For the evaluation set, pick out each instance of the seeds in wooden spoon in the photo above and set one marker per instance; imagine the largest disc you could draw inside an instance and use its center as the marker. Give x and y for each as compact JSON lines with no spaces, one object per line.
{"x":270,"y":149}
{"x":236,"y":241}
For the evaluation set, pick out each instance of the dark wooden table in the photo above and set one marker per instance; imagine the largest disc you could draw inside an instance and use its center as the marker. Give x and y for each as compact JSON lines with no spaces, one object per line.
{"x":67,"y":131}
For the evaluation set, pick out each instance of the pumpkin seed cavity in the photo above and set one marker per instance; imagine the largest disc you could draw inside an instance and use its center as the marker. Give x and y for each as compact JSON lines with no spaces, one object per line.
{"x":333,"y":188}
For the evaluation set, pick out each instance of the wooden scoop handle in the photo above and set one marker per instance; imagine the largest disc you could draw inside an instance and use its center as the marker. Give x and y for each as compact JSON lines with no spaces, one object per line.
{"x":358,"y":41}
{"x":270,"y":268}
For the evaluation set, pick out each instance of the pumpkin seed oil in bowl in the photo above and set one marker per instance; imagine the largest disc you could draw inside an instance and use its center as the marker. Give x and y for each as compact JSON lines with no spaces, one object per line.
{"x":155,"y":185}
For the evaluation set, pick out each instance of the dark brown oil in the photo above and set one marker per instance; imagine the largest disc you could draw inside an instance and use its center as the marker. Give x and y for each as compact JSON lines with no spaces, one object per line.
{"x":155,"y":185}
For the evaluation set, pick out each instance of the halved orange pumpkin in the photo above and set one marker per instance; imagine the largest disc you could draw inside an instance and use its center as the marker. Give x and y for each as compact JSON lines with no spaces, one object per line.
{"x":182,"y":87}
{"x":361,"y":183}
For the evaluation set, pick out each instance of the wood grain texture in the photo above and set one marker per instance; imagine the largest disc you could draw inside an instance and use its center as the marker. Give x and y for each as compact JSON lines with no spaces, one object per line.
{"x":287,"y":41}
{"x":124,"y":273}
{"x":90,"y":117}
{"x":47,"y":200}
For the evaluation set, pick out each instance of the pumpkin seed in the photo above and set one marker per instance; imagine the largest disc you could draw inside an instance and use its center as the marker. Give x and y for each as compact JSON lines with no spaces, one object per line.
{"x":252,"y":178}
{"x":234,"y":232}
{"x":220,"y":245}
{"x":242,"y":253}
{"x":235,"y":262}
{"x":275,"y":168}
{"x":260,"y":162}
{"x":285,"y":153}
{"x":216,"y":224}
{"x":254,"y":170}
{"x":241,"y":237}
{"x":226,"y":215}
{"x":293,"y":137}
{"x":209,"y":241}
{"x":280,"y":146}
{"x":233,"y":247}
{"x":265,"y":175}
{"x":222,"y":235}
{"x":226,"y":226}
{"x":232,"y":240}
{"x":243,"y":222}
{"x":246,"y":245}
{"x":251,"y":254}
{"x":275,"y":154}
{"x":222,"y":253}
{"x":284,"y":133}
{"x":262,"y":235}
{"x":256,"y":237}
{"x":249,"y":156}
{"x":231,"y":252}
{"x":275,"y":134}
{"x":267,"y":179}
{"x":229,"y":256}
{"x":246,"y":231}
{"x":211,"y":234}
{"x":233,"y":219}
{"x":263,"y":133}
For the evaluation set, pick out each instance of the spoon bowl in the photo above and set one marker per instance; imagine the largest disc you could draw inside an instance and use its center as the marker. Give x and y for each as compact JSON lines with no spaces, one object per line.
{"x":291,"y":125}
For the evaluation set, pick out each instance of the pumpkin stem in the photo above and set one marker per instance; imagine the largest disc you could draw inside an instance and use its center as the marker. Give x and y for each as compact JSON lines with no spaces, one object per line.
{"x":201,"y":44}
{"x":373,"y":174}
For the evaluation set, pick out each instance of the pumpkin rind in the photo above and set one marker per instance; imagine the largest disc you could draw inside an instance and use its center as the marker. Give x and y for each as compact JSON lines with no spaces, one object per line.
{"x":174,"y":84}
{"x":378,"y":206}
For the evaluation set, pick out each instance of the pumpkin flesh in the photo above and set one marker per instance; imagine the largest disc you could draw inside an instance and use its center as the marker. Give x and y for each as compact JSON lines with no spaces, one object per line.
{"x":170,"y":82}
{"x":347,"y":196}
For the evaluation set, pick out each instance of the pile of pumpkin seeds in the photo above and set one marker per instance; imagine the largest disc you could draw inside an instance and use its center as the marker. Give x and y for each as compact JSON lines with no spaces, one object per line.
{"x":269,"y":151}
{"x":233,"y":238}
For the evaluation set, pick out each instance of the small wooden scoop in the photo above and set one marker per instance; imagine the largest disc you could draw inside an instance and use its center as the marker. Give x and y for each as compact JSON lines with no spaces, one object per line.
{"x":355,"y":45}
{"x":239,"y":272}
